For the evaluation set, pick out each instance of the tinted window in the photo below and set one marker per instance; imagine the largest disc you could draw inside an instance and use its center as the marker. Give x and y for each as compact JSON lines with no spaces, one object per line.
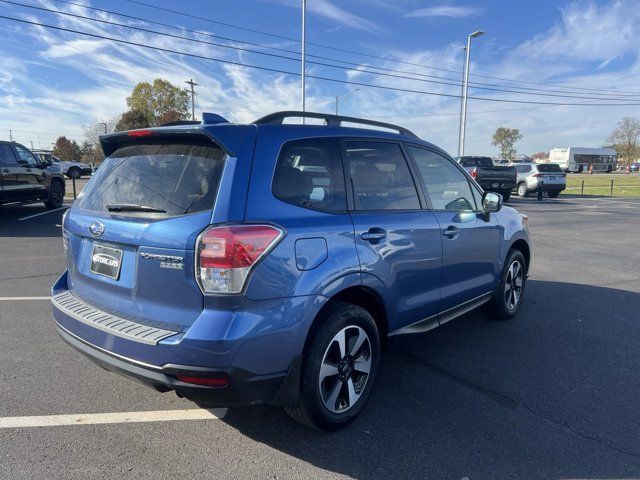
{"x":448,"y":187}
{"x":309,"y":174}
{"x":6,"y":155}
{"x":179,"y":178}
{"x":380,"y":177}
{"x":549,"y":168}
{"x":25,"y":156}
{"x":476,"y":162}
{"x":523,"y":168}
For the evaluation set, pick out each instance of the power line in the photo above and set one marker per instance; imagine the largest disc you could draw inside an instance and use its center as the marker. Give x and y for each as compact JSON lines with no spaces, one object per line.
{"x":360,"y":69}
{"x":317,"y":77}
{"x":388,"y":59}
{"x":473,"y":83}
{"x":291,"y":39}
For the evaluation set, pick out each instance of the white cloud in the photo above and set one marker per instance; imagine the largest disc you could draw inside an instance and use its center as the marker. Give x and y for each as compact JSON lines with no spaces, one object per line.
{"x":445,"y":11}
{"x":332,"y":12}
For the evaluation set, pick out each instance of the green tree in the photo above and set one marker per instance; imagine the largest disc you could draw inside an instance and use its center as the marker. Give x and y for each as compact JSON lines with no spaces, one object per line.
{"x":132,"y":119}
{"x":505,"y":139}
{"x":157,"y":99}
{"x":66,"y":149}
{"x":624,"y":139}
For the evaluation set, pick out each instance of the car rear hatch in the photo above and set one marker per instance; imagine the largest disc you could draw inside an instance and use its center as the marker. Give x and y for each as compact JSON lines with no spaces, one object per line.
{"x":130,"y":236}
{"x":551,"y":174}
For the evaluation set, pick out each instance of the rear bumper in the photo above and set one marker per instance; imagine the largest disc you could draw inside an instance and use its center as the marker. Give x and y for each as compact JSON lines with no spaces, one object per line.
{"x":243,"y":387}
{"x":498,"y":185}
{"x":255,"y":344}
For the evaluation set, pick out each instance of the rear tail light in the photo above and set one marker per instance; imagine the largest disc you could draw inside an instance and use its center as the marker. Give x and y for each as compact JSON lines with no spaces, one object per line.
{"x":226,"y":255}
{"x":474,"y":173}
{"x":536,"y":175}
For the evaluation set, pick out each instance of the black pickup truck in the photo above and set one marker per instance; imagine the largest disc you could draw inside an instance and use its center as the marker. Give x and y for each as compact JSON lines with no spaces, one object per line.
{"x":491,"y":178}
{"x":24,"y":178}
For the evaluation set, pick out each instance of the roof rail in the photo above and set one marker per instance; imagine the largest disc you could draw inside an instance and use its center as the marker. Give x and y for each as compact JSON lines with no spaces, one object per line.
{"x":278,"y":118}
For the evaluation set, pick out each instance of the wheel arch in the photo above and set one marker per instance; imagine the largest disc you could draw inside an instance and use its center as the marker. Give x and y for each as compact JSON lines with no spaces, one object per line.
{"x":524,"y":248}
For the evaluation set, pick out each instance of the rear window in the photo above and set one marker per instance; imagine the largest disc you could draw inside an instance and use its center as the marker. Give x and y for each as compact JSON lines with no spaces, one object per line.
{"x":476,"y":162}
{"x":549,"y":168}
{"x":172,"y":179}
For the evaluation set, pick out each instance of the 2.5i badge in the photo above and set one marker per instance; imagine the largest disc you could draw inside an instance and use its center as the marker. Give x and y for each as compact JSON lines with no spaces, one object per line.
{"x":106,"y":261}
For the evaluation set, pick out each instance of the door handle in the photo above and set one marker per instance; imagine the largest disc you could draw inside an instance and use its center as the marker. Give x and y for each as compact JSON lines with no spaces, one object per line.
{"x":374,"y":235}
{"x":451,"y":232}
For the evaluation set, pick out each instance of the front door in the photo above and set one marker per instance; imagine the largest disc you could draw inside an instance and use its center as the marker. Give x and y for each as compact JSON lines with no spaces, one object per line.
{"x":398,"y":242}
{"x":470,"y":238}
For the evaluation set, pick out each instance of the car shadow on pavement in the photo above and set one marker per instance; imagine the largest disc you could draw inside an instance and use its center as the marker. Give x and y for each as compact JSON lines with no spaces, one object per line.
{"x":549,"y":394}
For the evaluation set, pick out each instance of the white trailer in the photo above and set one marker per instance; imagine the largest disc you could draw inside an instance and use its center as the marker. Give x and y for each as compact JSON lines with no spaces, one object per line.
{"x":581,"y":159}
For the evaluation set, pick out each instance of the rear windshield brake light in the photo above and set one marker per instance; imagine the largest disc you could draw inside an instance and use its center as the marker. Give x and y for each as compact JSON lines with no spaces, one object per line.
{"x":140,"y":133}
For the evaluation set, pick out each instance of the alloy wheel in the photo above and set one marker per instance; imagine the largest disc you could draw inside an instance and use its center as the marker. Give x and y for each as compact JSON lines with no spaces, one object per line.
{"x":513,"y":285}
{"x":345,"y":369}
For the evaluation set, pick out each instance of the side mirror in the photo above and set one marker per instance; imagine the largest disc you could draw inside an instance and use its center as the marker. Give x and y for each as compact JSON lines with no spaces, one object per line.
{"x":491,"y":202}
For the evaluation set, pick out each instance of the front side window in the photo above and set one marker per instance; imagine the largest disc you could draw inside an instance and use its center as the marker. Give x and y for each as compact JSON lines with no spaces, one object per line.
{"x":448,"y":187}
{"x":25,"y":156}
{"x":380,"y":177}
{"x":156,"y":180}
{"x":309,"y":174}
{"x":6,"y":155}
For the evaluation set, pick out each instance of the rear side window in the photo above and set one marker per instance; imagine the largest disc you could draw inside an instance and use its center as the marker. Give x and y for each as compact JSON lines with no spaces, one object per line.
{"x":549,"y":168}
{"x":173,"y":179}
{"x":476,"y":162}
{"x":523,"y":168}
{"x":380,"y":177}
{"x":309,"y":174}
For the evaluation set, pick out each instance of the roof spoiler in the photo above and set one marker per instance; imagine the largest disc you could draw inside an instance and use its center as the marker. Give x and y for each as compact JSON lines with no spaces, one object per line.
{"x":207,"y":119}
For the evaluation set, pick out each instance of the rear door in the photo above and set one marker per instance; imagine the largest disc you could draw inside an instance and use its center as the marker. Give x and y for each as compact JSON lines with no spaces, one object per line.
{"x":133,"y":230}
{"x":470,"y":240}
{"x":32,"y":177}
{"x":397,"y":241}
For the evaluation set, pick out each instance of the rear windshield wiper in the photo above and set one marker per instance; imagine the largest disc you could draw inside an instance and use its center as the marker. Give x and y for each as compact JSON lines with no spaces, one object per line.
{"x":130,"y":207}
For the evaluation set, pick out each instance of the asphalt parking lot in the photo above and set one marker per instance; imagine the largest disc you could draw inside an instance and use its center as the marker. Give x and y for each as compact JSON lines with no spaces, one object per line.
{"x":551,"y":394}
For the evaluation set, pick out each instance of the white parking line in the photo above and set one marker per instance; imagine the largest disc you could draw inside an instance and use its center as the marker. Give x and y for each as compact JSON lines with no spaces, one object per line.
{"x":109,"y":418}
{"x":9,"y":299}
{"x":41,"y":213}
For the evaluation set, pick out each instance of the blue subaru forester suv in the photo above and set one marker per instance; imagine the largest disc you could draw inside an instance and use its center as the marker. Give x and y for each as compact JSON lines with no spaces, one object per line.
{"x":268,"y":263}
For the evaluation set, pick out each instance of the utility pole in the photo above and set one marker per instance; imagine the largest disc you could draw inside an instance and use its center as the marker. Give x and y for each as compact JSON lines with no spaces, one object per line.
{"x":31,"y":142}
{"x":192,"y":84}
{"x":465,"y":90}
{"x":304,"y":58}
{"x":10,"y":135}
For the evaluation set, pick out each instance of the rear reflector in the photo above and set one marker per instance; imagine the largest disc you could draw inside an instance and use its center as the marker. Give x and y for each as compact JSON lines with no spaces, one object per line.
{"x":474,"y":173}
{"x":227,"y":254}
{"x":140,"y":133}
{"x":210,"y":382}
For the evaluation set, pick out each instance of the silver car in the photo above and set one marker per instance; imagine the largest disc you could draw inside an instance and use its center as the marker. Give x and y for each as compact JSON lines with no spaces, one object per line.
{"x":532,"y":175}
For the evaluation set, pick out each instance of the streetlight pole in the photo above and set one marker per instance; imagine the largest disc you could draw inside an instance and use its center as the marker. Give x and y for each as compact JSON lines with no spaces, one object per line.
{"x":465,"y":90}
{"x":304,"y":58}
{"x":342,"y":97}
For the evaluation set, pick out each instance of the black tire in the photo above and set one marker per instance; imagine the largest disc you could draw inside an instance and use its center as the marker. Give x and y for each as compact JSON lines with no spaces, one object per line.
{"x":320,"y":350}
{"x":499,"y":307}
{"x":553,"y":194}
{"x":56,"y":195}
{"x":74,"y":172}
{"x":506,"y":195}
{"x":522,"y":189}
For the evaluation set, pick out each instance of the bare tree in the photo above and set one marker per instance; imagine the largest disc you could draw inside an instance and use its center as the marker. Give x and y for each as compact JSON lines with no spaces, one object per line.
{"x":92,"y":132}
{"x":624,"y":139}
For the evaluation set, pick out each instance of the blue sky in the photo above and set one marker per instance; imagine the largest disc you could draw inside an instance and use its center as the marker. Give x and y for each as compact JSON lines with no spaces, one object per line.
{"x":54,"y":82}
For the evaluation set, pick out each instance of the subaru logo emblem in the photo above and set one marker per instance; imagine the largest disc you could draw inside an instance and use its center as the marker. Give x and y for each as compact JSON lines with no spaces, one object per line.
{"x":96,"y":228}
